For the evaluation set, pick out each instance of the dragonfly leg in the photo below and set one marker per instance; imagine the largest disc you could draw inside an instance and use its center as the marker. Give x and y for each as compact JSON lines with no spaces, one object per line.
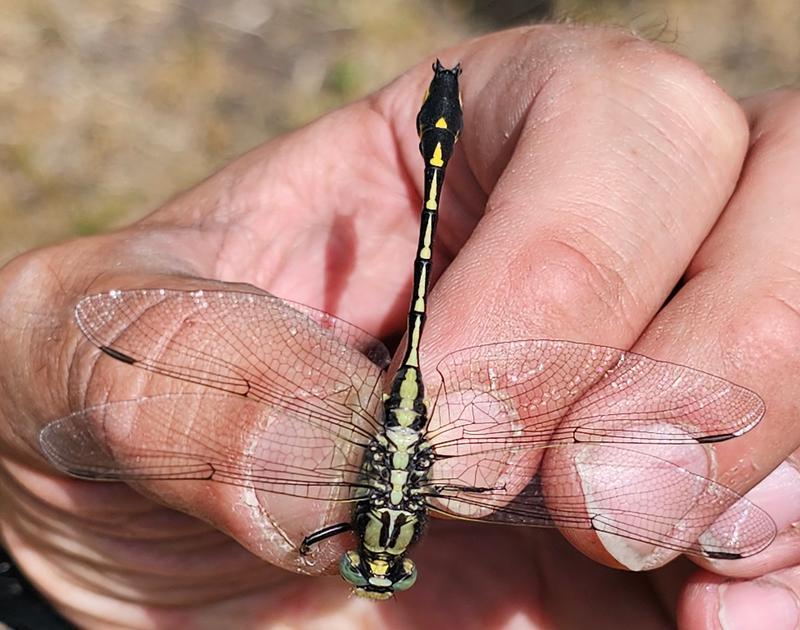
{"x":326,"y":532}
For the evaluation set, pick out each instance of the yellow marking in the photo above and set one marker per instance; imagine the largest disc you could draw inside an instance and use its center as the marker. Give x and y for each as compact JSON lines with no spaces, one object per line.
{"x":413,"y":352}
{"x":372,"y":533}
{"x":376,"y":595}
{"x":425,"y":250}
{"x":431,"y":203}
{"x":436,"y":160}
{"x":378,"y":567}
{"x":399,"y":478}
{"x":400,"y":459}
{"x":402,"y":438}
{"x":408,"y":387}
{"x":419,"y":303}
{"x":405,"y":417}
{"x":404,"y":538}
{"x":376,"y":581}
{"x":422,"y":275}
{"x":441,"y":123}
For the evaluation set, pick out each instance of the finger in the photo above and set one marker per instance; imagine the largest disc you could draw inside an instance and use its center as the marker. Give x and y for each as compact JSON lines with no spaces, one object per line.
{"x":737,"y":313}
{"x":615,"y":178}
{"x":61,"y":372}
{"x":712,"y":601}
{"x":616,"y":175}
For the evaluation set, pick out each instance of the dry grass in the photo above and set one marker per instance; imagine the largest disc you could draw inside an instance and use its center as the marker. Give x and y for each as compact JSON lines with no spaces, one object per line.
{"x":106,"y":108}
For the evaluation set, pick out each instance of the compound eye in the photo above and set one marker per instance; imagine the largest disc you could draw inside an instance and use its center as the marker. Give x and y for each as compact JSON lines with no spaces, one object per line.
{"x":350,"y":568}
{"x":407,"y":578}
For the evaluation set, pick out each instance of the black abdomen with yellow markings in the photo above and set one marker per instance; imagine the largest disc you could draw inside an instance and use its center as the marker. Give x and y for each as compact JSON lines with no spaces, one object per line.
{"x":391,"y":514}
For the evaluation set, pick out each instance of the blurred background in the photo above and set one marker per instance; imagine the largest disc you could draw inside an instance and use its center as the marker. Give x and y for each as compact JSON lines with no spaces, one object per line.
{"x":108,"y":108}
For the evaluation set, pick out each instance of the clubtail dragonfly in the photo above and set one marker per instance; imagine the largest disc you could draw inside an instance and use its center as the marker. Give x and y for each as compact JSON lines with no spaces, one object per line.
{"x":288,"y":402}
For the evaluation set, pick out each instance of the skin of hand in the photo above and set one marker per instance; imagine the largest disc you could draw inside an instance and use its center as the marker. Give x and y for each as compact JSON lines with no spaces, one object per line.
{"x":595,"y":171}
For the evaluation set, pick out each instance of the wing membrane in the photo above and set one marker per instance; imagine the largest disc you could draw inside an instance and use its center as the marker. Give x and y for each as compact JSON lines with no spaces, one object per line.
{"x":524,"y":394}
{"x":247,"y":344}
{"x":303,"y":388}
{"x":618,"y":491}
{"x":211,"y":437}
{"x":513,"y":421}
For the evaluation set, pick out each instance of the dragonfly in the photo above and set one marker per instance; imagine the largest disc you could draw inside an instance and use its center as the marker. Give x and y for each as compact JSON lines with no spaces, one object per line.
{"x":297,"y":407}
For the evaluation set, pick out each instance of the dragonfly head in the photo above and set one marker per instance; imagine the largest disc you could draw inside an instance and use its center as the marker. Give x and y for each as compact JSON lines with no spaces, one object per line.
{"x":377,"y":578}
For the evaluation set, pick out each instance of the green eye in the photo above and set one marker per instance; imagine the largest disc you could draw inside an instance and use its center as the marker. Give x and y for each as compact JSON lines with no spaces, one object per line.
{"x":409,"y":577}
{"x":351,"y":571}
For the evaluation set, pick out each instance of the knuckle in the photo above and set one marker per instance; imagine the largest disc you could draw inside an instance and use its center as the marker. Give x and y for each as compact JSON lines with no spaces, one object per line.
{"x":670,"y":92}
{"x":764,"y":336}
{"x":33,"y":336}
{"x":565,"y":282}
{"x":22,"y":277}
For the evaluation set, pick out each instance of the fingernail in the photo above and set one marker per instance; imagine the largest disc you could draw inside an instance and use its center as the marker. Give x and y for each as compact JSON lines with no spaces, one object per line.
{"x":757,"y":604}
{"x":770,"y":507}
{"x":779,"y":495}
{"x":645,"y":492}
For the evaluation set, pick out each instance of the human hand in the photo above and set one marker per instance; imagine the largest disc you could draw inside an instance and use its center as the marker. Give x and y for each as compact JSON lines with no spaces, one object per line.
{"x":605,"y":161}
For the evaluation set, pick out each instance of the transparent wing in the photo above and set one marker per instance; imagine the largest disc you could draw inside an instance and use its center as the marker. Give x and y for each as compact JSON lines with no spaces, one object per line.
{"x":611,"y":490}
{"x":523,"y":394}
{"x":507,"y":410}
{"x":286,"y":401}
{"x":207,"y":436}
{"x":248,"y":344}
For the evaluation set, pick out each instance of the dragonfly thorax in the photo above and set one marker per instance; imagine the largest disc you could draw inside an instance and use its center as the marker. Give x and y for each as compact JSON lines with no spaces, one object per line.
{"x":390,"y":515}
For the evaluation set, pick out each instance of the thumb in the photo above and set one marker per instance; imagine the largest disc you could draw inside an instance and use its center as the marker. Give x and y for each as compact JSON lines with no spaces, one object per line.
{"x":220,"y":403}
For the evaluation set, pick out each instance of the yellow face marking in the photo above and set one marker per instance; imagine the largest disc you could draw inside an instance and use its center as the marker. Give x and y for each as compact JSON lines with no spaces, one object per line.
{"x":378,"y":567}
{"x":380,"y":582}
{"x":376,"y":595}
{"x":441,"y":123}
{"x":436,"y":160}
{"x":431,"y":203}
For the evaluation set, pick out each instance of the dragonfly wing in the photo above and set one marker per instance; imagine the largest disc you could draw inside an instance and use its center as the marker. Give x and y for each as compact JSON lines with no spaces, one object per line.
{"x":252,"y":345}
{"x":616,"y":491}
{"x":542,"y":410}
{"x":523,"y":394}
{"x":347,"y":334}
{"x":268,"y":457}
{"x":204,"y":436}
